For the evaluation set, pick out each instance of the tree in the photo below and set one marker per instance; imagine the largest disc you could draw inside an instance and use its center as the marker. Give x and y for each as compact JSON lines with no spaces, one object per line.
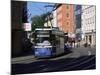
{"x":38,"y":20}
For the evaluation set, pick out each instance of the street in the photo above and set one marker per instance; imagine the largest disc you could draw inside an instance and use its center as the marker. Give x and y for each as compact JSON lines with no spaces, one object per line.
{"x":76,"y":59}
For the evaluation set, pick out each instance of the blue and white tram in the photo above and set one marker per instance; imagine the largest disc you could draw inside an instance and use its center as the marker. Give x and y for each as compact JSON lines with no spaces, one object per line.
{"x":48,"y":42}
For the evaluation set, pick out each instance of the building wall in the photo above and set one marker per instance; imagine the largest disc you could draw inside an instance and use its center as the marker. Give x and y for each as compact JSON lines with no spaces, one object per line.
{"x":60,"y":16}
{"x":16,"y":27}
{"x":88,"y":18}
{"x":16,"y":15}
{"x":89,"y":24}
{"x":70,"y":18}
{"x":65,"y":18}
{"x":54,"y":21}
{"x":77,"y":20}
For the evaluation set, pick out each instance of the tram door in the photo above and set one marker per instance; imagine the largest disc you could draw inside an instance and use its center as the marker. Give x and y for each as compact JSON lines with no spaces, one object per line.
{"x":62,"y":44}
{"x":57,"y":45}
{"x":59,"y":42}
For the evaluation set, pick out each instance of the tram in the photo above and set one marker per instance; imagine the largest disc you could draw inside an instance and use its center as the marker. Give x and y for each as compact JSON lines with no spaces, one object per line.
{"x":48,"y":42}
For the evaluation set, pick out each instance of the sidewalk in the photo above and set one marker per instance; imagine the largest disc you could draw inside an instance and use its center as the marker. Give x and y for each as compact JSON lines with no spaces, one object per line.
{"x":22,"y":58}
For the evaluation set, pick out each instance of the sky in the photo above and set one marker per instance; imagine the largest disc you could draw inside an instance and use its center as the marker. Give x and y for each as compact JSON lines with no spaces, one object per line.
{"x":37,"y":8}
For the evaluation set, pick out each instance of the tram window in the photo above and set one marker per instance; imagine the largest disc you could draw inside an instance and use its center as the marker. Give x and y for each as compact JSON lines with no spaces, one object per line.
{"x":41,"y":39}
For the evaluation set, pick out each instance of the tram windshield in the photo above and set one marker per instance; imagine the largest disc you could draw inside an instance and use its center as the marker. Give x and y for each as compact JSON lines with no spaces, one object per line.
{"x":42,"y":37}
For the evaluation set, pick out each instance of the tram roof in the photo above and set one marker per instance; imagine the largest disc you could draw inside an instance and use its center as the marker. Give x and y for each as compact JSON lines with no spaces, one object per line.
{"x":43,"y":29}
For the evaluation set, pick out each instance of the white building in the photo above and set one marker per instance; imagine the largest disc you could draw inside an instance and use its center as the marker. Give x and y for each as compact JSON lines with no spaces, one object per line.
{"x":54,"y":21}
{"x":89,"y":24}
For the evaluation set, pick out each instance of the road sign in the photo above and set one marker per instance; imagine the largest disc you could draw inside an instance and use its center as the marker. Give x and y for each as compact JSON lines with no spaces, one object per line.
{"x":27,"y":26}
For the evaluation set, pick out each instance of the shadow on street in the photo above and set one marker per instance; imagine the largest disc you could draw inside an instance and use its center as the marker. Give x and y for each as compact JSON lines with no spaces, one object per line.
{"x":66,"y":64}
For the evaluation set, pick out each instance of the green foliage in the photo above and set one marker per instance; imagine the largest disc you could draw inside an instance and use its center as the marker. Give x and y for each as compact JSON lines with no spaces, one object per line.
{"x":38,"y":21}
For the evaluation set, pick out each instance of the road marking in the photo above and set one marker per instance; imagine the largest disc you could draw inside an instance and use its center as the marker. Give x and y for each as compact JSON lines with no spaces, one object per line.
{"x":89,"y":52}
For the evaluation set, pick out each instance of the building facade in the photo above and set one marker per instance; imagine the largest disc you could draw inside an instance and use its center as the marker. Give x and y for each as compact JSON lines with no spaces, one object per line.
{"x":77,"y":21}
{"x":65,"y":18}
{"x":70,"y":18}
{"x":17,"y":20}
{"x":89,"y":24}
{"x":54,"y":21}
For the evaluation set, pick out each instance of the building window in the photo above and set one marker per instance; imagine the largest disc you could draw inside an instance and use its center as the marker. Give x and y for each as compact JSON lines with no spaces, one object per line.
{"x":67,"y":6}
{"x":67,"y":23}
{"x":67,"y":14}
{"x":68,"y":26}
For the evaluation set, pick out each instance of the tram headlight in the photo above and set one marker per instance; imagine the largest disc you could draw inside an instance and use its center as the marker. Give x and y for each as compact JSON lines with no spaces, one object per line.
{"x":36,"y":53}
